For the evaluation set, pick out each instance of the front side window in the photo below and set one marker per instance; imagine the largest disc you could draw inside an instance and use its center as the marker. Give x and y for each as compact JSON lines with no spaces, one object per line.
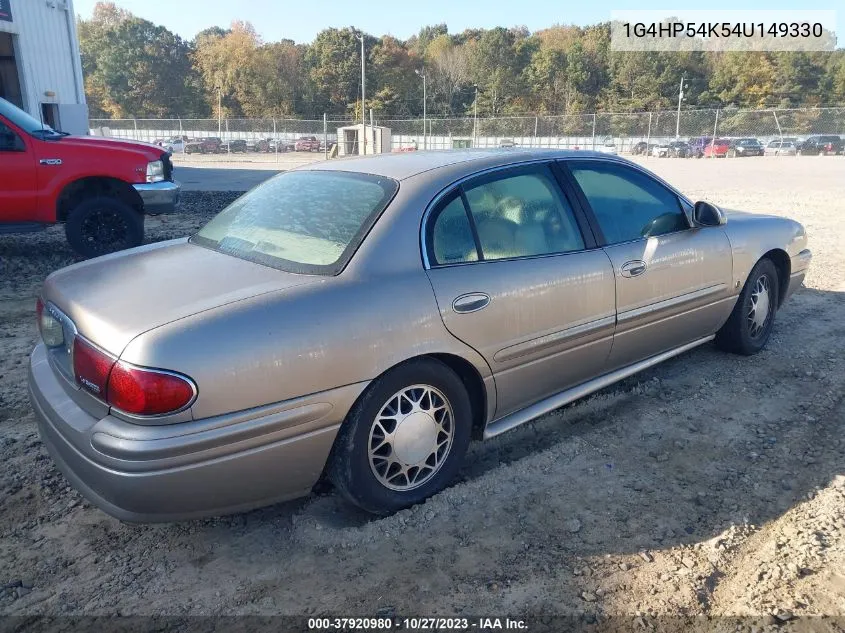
{"x":9,"y":140}
{"x":301,"y":221}
{"x":627,"y":204}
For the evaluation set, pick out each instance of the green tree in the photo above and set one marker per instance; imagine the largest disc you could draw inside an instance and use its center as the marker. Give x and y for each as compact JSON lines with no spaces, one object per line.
{"x":134,"y":68}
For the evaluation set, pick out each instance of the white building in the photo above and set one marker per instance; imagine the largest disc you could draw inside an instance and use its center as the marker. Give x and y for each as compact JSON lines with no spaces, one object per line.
{"x":40,"y":67}
{"x":350,"y":139}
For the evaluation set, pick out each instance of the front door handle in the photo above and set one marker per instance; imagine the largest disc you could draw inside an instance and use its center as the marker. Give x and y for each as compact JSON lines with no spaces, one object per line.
{"x":633,"y":268}
{"x":471,"y":302}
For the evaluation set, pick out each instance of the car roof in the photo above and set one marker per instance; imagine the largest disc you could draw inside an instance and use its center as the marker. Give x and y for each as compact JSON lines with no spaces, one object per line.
{"x":401,"y":166}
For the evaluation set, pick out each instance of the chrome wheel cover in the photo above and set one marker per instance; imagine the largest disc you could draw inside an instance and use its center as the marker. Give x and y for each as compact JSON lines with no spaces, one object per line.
{"x":411,"y":437}
{"x":759,"y":307}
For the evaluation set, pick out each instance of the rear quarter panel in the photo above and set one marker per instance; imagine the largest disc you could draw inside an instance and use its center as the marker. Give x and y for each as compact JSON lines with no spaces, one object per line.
{"x":348,"y":329}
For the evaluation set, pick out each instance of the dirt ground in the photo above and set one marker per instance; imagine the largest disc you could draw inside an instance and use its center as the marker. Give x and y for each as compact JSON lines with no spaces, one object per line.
{"x":713,"y":485}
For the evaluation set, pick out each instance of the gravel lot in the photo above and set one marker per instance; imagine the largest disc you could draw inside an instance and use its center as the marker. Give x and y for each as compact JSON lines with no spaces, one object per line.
{"x":712,"y":485}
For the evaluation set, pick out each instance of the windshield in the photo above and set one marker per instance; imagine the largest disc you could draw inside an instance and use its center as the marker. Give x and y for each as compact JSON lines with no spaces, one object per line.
{"x":307,"y":222}
{"x":23,"y":120}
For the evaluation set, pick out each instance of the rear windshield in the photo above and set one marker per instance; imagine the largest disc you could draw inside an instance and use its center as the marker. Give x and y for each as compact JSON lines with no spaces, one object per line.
{"x":307,"y":222}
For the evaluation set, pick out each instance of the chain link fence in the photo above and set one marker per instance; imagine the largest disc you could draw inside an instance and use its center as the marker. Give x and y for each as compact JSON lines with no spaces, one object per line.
{"x":232,"y":139}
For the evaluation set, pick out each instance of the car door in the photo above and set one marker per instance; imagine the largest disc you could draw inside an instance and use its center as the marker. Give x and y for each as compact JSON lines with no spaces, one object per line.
{"x":673,"y":280}
{"x":18,"y":189}
{"x":518,"y":277}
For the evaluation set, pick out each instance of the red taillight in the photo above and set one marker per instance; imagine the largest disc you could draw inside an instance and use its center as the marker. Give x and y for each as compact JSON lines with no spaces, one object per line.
{"x":91,"y":366}
{"x":141,"y":391}
{"x":130,"y":389}
{"x":39,"y":310}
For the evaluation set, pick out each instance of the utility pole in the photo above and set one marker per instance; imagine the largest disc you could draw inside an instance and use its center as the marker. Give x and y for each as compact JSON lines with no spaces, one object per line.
{"x":219,"y":110}
{"x":475,"y":118}
{"x":421,"y":73}
{"x":360,"y":36}
{"x":680,"y":98}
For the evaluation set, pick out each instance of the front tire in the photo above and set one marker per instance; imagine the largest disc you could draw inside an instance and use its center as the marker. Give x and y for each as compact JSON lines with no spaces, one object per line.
{"x":100,"y":225}
{"x":405,"y":438}
{"x":748,"y":328}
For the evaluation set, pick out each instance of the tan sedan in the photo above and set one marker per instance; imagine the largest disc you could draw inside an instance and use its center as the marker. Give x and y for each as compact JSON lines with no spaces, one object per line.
{"x":364,"y":318}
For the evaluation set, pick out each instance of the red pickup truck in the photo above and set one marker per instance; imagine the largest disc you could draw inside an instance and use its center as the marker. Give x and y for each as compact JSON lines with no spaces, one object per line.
{"x":307,"y":144}
{"x":99,"y":187}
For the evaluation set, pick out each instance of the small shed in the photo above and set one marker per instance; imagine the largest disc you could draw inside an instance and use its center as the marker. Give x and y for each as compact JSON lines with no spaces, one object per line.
{"x":359,"y":139}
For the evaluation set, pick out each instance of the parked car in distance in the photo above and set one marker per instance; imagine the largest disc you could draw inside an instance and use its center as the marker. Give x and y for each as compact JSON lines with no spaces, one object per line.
{"x":607,"y":147}
{"x":234,"y":146}
{"x":697,"y":145}
{"x":307,"y":144}
{"x":479,"y":249}
{"x":821,"y":145}
{"x":258,"y":145}
{"x":507,"y":142}
{"x":100,"y":188}
{"x":643,"y":149}
{"x":717,"y":148}
{"x":174,"y":144}
{"x":780,"y":148}
{"x":282,"y":145}
{"x":205,"y":145}
{"x":743,"y":147}
{"x":679,"y":149}
{"x":660,"y":150}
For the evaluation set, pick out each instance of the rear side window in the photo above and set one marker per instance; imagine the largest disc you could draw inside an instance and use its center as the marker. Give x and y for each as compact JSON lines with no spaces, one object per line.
{"x":301,"y":221}
{"x":451,"y":237}
{"x":521,"y":216}
{"x":628,"y":204}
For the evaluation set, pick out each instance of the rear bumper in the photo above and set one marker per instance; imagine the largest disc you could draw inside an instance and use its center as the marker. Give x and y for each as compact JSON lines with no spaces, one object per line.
{"x":187,"y":470}
{"x":159,"y":197}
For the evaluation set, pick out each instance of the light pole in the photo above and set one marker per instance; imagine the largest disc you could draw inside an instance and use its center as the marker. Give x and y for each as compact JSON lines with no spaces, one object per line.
{"x":219,"y":110}
{"x":680,"y":98}
{"x":421,"y":73}
{"x":475,"y":118}
{"x":360,"y":36}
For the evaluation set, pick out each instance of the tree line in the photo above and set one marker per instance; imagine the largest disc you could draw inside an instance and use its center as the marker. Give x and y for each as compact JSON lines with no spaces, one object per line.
{"x":134,"y":68}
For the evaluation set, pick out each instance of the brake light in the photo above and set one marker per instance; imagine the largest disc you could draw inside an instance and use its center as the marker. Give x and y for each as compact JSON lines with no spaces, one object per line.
{"x":126,"y":387}
{"x":39,"y":310}
{"x":91,"y":367}
{"x":142,"y":391}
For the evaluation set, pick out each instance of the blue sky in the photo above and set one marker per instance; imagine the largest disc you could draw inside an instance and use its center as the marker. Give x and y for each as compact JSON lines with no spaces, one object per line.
{"x":301,"y":21}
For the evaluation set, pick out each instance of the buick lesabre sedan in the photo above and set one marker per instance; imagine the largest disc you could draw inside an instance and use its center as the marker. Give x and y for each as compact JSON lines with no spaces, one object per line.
{"x":363,"y":319}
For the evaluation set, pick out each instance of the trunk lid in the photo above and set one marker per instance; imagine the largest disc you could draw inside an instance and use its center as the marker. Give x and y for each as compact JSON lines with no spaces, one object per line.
{"x":113,"y":299}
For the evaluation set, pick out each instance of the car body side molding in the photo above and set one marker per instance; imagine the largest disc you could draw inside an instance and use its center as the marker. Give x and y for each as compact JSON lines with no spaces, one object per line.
{"x":513,"y":420}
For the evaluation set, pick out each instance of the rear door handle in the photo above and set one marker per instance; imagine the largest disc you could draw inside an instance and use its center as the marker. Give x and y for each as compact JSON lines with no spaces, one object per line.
{"x":633,"y":268}
{"x":471,"y":302}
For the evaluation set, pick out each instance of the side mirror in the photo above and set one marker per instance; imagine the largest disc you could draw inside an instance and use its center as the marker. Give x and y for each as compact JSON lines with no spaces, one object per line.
{"x":706,"y":214}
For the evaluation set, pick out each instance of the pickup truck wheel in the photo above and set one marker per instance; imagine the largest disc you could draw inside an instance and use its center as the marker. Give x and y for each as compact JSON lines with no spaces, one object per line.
{"x":100,"y":225}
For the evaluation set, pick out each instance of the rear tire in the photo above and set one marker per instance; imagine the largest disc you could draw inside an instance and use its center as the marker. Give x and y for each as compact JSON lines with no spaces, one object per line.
{"x":748,"y":328}
{"x":404,"y":439}
{"x":101,"y":225}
